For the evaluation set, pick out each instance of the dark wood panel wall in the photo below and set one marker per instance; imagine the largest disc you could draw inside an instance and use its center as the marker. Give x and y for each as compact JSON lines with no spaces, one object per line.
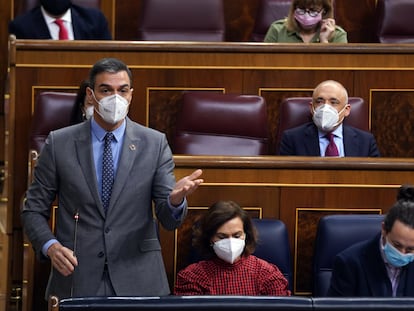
{"x":240,"y":15}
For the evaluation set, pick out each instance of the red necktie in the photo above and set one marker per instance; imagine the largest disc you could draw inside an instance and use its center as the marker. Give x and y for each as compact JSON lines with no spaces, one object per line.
{"x":63,"y":32}
{"x":331,"y":150}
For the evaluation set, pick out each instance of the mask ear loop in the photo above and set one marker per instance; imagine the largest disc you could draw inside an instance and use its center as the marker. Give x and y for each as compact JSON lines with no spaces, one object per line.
{"x":343,"y":117}
{"x":97,"y":101}
{"x":93,"y":95}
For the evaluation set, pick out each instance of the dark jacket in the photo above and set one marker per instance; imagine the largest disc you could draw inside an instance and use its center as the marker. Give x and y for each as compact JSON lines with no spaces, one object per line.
{"x":359,"y":271}
{"x":88,"y":24}
{"x":304,"y":141}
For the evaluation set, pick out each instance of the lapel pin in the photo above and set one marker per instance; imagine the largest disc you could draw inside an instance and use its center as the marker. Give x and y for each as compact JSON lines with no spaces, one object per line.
{"x":132,"y":147}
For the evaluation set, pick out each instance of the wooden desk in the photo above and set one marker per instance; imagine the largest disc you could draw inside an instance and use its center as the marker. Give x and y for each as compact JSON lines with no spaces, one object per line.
{"x":297,"y":190}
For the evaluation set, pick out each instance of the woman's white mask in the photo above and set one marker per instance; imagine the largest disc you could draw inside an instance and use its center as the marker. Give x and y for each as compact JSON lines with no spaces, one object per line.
{"x":112,"y":108}
{"x":89,"y":112}
{"x":229,"y":249}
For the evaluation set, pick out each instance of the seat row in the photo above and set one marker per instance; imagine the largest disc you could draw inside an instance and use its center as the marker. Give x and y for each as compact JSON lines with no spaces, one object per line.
{"x":189,"y":20}
{"x":334,"y":234}
{"x":204,"y":20}
{"x":208,"y":123}
{"x":231,"y":124}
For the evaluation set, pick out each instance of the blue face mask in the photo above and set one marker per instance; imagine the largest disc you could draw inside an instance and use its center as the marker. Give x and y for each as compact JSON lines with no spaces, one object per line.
{"x":395,"y":257}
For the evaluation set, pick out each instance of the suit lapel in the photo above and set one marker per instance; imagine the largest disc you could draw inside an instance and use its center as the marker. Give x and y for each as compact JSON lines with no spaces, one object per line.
{"x":129,"y":152}
{"x":77,"y":25}
{"x":85,"y":157}
{"x":311,"y":141}
{"x":375,"y":268}
{"x":409,"y":289}
{"x":40,"y":26}
{"x":350,"y":142}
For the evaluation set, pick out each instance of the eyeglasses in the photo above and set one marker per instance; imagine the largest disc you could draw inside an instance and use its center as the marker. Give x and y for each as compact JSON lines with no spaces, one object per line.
{"x":311,"y":12}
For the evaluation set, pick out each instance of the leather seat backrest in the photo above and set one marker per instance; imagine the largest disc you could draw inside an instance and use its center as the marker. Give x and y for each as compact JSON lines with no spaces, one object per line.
{"x":182,"y":20}
{"x":268,"y":11}
{"x":334,"y":234}
{"x":221,"y":124}
{"x":273,"y":245}
{"x":395,"y":21}
{"x":53,"y":110}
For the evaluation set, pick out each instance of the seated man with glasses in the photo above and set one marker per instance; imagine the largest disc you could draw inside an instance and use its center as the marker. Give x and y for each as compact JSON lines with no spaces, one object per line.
{"x":327,"y":135}
{"x":309,"y":21}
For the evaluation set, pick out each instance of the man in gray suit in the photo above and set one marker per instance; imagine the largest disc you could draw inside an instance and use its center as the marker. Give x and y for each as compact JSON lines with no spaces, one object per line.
{"x":99,"y":248}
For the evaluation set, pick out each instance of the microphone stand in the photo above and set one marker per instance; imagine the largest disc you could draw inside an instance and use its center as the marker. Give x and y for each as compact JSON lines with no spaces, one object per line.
{"x":75,"y":234}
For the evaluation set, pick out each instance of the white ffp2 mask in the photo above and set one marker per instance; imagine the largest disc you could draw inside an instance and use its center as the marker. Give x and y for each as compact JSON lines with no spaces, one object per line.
{"x":89,"y":112}
{"x":229,"y":249}
{"x":112,"y":108}
{"x":326,"y":117}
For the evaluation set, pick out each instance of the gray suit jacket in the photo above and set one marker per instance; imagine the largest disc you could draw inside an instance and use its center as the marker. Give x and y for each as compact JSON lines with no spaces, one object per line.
{"x":126,"y":238}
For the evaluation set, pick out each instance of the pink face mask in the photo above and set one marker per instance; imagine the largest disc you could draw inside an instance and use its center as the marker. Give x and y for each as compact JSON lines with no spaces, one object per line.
{"x":306,"y":21}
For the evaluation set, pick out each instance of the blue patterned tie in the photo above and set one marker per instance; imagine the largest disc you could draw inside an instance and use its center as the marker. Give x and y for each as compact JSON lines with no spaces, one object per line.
{"x":107,"y":171}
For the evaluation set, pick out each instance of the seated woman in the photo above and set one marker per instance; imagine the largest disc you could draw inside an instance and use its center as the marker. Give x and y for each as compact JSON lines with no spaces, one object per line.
{"x":83,"y":109}
{"x":309,"y":21}
{"x":227,"y":237}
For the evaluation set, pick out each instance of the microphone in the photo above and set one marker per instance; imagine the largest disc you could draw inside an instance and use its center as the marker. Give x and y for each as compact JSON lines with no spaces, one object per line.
{"x":75,"y":239}
{"x":75,"y":233}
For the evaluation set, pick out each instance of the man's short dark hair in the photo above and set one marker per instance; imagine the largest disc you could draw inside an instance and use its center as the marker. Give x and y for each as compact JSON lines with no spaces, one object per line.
{"x":111,"y":65}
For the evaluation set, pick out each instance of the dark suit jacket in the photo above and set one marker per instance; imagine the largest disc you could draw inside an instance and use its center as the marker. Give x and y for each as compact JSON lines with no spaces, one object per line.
{"x":359,"y":271}
{"x":88,"y":24}
{"x":303,"y":141}
{"x":125,"y":237}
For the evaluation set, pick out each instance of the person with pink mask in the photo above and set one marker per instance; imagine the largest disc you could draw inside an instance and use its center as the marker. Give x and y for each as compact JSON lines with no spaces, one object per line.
{"x":309,"y":21}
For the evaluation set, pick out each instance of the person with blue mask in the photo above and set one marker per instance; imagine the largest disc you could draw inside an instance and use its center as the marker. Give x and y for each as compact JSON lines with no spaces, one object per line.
{"x":384,"y":265}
